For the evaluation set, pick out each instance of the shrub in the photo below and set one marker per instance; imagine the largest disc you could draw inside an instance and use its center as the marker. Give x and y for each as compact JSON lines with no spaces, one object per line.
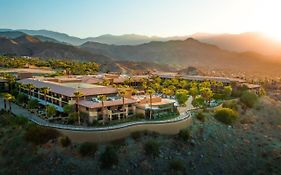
{"x":226,"y":115}
{"x":184,"y":134}
{"x":69,"y":109}
{"x":118,"y":143}
{"x":136,"y":135}
{"x":109,"y":157}
{"x":88,"y":149}
{"x":40,"y":135}
{"x":232,"y":104}
{"x":51,"y":111}
{"x":249,"y":98}
{"x":176,"y":165}
{"x":32,"y":104}
{"x":65,"y":141}
{"x":152,"y":148}
{"x":201,"y":117}
{"x":72,"y":118}
{"x":21,"y":98}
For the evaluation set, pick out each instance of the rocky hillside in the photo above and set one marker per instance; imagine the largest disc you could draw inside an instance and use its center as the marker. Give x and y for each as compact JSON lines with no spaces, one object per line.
{"x":27,"y":45}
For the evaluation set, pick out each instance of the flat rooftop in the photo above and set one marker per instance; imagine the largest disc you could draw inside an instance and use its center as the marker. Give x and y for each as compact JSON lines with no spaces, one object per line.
{"x":80,"y":85}
{"x":68,"y":89}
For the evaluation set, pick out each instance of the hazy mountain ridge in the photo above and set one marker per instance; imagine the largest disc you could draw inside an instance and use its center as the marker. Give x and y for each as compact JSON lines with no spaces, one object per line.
{"x":26,"y":45}
{"x":244,"y":42}
{"x":189,"y":52}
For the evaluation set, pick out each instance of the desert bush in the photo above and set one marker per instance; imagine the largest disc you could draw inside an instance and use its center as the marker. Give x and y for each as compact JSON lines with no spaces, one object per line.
{"x":201,"y":117}
{"x":88,"y":149}
{"x":40,"y":135}
{"x":109,"y":157}
{"x":118,"y":143}
{"x":65,"y":141}
{"x":249,"y":98}
{"x":136,"y":135}
{"x":226,"y":115}
{"x":184,"y":134}
{"x":176,"y":165}
{"x":232,"y":104}
{"x":152,"y":148}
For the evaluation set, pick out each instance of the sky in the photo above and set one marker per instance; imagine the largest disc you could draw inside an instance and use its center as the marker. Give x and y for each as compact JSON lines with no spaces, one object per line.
{"x":84,"y":18}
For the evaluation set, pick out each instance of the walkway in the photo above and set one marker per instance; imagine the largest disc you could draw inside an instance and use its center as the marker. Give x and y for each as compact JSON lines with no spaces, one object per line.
{"x":20,"y":111}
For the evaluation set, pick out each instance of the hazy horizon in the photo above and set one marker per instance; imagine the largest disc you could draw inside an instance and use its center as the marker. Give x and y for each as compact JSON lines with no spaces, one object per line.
{"x":158,"y":18}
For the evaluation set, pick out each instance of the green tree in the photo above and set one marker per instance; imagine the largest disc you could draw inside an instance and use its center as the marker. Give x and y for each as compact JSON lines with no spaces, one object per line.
{"x":122,"y":93}
{"x":207,"y":94}
{"x":9,"y":97}
{"x":167,"y":91}
{"x":33,"y":104}
{"x":102,"y":98}
{"x":193,"y":91}
{"x":198,"y":102}
{"x":30,"y":88}
{"x":69,"y":109}
{"x":78,"y":95}
{"x":182,"y":96}
{"x":227,"y":91}
{"x":51,"y":111}
{"x":21,"y":98}
{"x":150,"y":92}
{"x":45,"y":90}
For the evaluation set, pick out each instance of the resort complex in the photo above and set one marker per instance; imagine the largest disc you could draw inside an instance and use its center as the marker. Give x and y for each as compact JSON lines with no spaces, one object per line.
{"x":106,"y":97}
{"x":96,"y":101}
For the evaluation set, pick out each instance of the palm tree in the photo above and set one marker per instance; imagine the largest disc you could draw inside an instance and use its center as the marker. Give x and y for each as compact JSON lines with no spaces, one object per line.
{"x":122,"y":93}
{"x":30,"y":87}
{"x":45,"y":90}
{"x":20,"y":86}
{"x":8,"y":97}
{"x":78,"y":94}
{"x":5,"y":102}
{"x":150,"y":92}
{"x":102,"y":98}
{"x":11,"y":81}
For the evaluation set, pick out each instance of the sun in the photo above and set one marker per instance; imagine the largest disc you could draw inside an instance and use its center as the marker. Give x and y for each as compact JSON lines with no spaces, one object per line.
{"x":267,"y":17}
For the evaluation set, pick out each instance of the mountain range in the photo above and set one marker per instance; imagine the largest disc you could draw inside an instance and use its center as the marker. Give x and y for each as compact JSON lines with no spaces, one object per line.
{"x":178,"y":54}
{"x":244,"y":42}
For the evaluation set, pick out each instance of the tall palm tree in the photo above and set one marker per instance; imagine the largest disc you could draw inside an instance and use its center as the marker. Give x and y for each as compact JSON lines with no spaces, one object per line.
{"x":78,"y":95}
{"x":20,"y":86}
{"x":5,"y":102}
{"x":8,"y":97}
{"x":122,"y":93}
{"x":102,"y":98}
{"x":11,"y":81}
{"x":45,"y":90}
{"x":150,"y":92}
{"x":30,"y":87}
